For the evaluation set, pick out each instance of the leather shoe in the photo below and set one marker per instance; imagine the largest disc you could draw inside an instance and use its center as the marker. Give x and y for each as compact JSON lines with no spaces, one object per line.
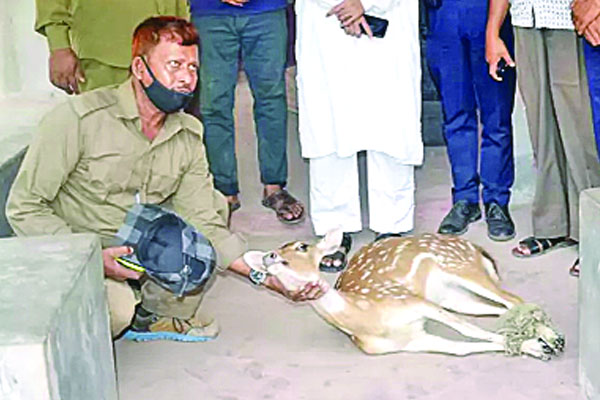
{"x":459,"y":217}
{"x":500,"y":225}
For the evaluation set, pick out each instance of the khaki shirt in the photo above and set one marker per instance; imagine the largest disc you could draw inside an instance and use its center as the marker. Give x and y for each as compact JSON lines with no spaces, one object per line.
{"x":100,"y":29}
{"x":90,"y":160}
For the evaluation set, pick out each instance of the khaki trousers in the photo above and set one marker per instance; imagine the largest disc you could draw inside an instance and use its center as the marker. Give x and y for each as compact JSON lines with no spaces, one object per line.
{"x":553,"y":83}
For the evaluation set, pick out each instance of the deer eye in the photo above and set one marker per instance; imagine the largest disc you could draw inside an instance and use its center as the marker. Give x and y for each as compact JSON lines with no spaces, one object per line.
{"x":302,"y":247}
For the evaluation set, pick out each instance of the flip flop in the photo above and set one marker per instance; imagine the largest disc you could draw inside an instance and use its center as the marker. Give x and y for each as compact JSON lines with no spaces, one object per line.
{"x":281,"y":202}
{"x":538,"y":246}
{"x":337,"y":261}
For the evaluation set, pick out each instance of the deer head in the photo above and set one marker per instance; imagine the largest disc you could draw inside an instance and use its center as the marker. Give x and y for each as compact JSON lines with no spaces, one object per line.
{"x":305,"y":259}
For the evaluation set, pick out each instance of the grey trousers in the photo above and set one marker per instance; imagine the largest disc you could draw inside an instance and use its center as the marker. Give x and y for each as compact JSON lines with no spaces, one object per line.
{"x":553,"y":83}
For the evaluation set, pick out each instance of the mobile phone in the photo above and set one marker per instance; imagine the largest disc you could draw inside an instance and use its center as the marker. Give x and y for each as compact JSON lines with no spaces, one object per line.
{"x":502,"y":67}
{"x":378,"y":25}
{"x":130,"y":261}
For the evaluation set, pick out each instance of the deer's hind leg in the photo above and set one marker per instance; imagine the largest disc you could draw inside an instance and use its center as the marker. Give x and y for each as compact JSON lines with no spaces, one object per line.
{"x":473,"y":296}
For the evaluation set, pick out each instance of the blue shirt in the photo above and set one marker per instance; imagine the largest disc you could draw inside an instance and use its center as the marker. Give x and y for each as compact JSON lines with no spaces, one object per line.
{"x":216,"y":7}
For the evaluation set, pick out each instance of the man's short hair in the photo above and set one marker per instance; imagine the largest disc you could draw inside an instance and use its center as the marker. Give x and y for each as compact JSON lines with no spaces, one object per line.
{"x":151,"y":31}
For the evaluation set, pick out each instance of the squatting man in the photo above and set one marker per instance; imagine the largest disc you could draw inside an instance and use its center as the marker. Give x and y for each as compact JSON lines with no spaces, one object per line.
{"x":99,"y":153}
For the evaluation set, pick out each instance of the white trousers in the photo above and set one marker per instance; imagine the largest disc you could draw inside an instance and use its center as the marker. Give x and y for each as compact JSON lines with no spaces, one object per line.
{"x":334,"y":194}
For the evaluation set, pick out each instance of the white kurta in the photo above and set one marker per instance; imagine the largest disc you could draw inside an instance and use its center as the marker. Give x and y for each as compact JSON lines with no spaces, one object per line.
{"x":359,"y":93}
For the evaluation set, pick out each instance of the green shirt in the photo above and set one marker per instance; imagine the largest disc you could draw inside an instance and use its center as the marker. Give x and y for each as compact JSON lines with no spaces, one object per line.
{"x":100,"y":29}
{"x":90,"y":160}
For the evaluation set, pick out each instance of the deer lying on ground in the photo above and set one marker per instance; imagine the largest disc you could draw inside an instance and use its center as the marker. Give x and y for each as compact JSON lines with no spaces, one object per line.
{"x":392,"y":287}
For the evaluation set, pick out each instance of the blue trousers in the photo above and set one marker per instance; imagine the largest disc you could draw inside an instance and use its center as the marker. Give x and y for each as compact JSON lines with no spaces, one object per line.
{"x":456,"y":59}
{"x":261,"y":39}
{"x":592,"y":65}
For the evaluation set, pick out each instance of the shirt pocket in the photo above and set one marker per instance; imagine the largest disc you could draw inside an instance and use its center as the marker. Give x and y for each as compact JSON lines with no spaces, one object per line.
{"x":108,"y":173}
{"x":162,"y":186}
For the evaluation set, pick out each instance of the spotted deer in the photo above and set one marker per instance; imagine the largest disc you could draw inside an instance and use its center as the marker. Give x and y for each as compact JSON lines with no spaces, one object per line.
{"x":392,"y":287}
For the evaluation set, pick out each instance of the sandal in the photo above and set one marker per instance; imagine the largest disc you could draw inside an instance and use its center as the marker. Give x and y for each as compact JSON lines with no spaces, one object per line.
{"x":532,"y":246}
{"x":574,"y":270}
{"x":282,"y":202}
{"x":336,"y":262}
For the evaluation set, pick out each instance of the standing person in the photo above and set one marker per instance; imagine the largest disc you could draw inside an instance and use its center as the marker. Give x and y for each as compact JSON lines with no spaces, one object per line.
{"x":95,"y":154}
{"x":553,"y":83}
{"x":90,"y":41}
{"x":257,"y":30}
{"x":587,"y":24}
{"x":456,"y":58}
{"x":359,"y":93}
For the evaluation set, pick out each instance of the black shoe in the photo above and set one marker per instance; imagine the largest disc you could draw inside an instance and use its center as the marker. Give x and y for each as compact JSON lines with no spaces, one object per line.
{"x":458,"y":219}
{"x":500,"y":225}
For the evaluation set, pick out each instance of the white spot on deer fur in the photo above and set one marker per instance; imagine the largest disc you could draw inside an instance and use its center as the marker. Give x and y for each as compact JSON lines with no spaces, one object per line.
{"x":365,"y":275}
{"x":365,"y":290}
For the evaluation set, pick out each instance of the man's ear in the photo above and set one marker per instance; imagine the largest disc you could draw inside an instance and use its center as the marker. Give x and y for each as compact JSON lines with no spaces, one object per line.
{"x":331,"y":241}
{"x":254,"y":259}
{"x":138,"y":69}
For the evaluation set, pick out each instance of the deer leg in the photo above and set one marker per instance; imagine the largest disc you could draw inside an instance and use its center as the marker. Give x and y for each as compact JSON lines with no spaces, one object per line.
{"x":460,"y":325}
{"x":436,"y":344}
{"x":466,"y":302}
{"x":488,"y":290}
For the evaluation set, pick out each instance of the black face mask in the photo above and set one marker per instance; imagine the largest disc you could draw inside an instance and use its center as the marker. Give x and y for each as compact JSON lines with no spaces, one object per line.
{"x":166,"y":100}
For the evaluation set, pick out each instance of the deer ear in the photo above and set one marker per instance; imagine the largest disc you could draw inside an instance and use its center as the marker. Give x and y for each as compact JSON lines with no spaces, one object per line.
{"x":254,"y":259}
{"x":331,"y":241}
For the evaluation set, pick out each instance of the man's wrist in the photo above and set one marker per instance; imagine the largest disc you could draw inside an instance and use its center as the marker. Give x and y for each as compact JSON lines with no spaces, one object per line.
{"x":58,"y":37}
{"x":257,"y":277}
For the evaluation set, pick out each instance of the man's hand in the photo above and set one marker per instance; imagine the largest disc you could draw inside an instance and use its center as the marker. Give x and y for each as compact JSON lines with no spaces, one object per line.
{"x":65,"y":71}
{"x":114,"y":270}
{"x":354,"y":28}
{"x":310,"y":291}
{"x":592,"y":32}
{"x":237,"y":3}
{"x":495,"y":50}
{"x":584,"y":12}
{"x":347,"y":12}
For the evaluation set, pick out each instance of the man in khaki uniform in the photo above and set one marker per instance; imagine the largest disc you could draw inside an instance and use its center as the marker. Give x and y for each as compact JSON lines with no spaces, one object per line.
{"x":90,"y":41}
{"x":98,"y":153}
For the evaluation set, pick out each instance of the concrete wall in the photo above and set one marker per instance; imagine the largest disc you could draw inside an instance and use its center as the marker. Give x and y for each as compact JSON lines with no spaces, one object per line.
{"x":589,"y":294}
{"x":54,"y":338}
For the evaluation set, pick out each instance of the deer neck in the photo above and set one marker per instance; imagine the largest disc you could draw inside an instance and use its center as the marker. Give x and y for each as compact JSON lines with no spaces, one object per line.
{"x":335,"y":308}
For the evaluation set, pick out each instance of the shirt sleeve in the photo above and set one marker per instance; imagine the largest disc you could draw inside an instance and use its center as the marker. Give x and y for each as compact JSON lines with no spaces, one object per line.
{"x":53,"y":19}
{"x":197,"y":202}
{"x":50,"y":159}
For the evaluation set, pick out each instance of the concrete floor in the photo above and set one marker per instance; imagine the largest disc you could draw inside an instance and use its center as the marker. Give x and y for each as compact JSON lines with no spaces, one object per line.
{"x":270,"y":348}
